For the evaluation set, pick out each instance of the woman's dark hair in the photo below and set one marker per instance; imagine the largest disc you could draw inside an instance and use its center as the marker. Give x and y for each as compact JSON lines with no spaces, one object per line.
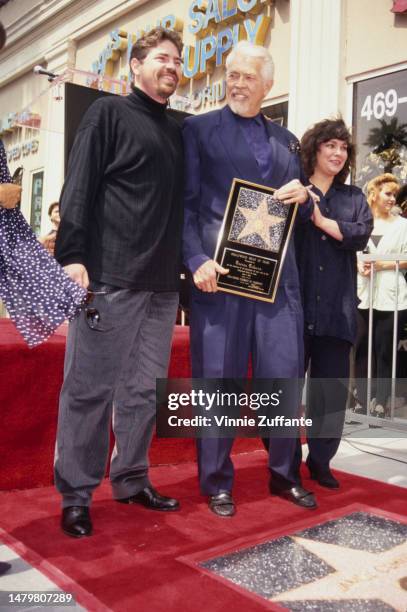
{"x":323,"y":131}
{"x":51,"y":207}
{"x":152,"y":39}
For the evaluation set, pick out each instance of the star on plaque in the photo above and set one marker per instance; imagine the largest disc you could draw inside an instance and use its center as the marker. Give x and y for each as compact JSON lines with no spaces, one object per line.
{"x":259,"y":221}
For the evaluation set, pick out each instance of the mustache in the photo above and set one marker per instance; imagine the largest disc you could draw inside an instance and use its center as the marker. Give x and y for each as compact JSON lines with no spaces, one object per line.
{"x":169,"y":72}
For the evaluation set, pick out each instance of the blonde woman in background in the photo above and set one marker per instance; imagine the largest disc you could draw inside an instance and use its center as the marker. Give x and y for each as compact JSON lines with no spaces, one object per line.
{"x":389,"y":236}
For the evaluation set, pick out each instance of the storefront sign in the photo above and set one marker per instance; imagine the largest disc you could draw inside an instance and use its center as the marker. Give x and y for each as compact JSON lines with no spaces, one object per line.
{"x":200,"y":98}
{"x":380,"y":119}
{"x":30,"y":147}
{"x":121,"y":42}
{"x":27,"y":148}
{"x":211,"y":47}
{"x":217,"y":25}
{"x":14,"y":153}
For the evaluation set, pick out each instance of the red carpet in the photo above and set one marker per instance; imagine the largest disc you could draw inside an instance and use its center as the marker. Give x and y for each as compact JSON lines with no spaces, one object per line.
{"x":29,"y":389}
{"x":133,"y":560}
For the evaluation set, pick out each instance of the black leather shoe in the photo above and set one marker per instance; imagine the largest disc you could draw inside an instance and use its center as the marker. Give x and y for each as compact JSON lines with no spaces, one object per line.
{"x":325,"y":479}
{"x":222,"y":504}
{"x":150,"y":498}
{"x":76,"y":521}
{"x":4,"y":567}
{"x":297,"y":494}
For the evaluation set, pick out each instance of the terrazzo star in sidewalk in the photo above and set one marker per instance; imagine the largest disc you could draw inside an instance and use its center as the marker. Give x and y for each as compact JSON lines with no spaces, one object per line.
{"x":358,"y":575}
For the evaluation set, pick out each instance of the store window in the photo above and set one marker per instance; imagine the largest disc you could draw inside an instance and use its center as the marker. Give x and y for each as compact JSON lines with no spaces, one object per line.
{"x":380,"y":123}
{"x":277,"y":113}
{"x":37,"y":187}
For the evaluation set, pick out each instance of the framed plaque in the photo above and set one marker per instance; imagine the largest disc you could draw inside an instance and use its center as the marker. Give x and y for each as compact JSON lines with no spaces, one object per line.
{"x":253,"y":241}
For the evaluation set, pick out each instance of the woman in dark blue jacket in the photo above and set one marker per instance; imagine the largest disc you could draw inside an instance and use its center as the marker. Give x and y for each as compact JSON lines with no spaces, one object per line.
{"x":326,"y":255}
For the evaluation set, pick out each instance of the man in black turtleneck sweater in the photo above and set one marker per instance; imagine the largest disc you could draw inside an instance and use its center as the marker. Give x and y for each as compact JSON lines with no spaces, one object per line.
{"x":120,"y":233}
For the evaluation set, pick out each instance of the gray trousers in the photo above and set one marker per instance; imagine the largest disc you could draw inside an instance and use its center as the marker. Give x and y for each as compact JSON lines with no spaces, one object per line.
{"x":110,"y":374}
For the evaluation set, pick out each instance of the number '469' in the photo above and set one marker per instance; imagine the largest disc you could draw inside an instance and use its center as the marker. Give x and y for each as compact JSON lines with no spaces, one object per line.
{"x":383,"y":104}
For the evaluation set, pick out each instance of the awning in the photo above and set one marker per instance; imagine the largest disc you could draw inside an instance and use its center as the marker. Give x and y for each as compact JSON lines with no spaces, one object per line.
{"x":399,"y":6}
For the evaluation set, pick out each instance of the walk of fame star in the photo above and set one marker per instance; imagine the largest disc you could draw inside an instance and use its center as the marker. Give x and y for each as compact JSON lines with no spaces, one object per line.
{"x":259,"y":221}
{"x":356,"y":562}
{"x":358,"y":575}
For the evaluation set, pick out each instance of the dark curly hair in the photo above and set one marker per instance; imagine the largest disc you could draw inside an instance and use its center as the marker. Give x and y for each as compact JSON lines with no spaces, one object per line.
{"x":152,"y":39}
{"x":322,"y":132}
{"x":51,"y":207}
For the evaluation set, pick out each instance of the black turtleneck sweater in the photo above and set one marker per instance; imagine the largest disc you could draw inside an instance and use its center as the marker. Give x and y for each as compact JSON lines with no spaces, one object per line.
{"x":121,"y":204}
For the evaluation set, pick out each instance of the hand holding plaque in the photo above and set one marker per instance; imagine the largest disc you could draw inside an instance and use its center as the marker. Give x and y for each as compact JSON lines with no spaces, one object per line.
{"x":253,"y":241}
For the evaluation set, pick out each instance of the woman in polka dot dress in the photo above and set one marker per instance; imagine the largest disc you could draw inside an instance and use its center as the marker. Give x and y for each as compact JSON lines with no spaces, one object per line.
{"x":37,"y":293}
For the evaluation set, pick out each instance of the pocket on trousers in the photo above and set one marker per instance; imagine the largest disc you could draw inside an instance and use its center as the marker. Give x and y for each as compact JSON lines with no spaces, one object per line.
{"x":99,"y":313}
{"x":205,"y":298}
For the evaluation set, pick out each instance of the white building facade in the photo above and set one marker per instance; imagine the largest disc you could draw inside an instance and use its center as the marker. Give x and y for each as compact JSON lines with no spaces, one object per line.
{"x":331,"y":56}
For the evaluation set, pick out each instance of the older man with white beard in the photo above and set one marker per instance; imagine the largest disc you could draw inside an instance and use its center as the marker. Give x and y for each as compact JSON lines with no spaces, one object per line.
{"x":238,"y":142}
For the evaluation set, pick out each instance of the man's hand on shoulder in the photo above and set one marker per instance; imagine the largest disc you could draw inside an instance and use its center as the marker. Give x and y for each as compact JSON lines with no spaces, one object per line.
{"x":293,"y":192}
{"x":10,"y":195}
{"x":78,"y":273}
{"x":205,"y":276}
